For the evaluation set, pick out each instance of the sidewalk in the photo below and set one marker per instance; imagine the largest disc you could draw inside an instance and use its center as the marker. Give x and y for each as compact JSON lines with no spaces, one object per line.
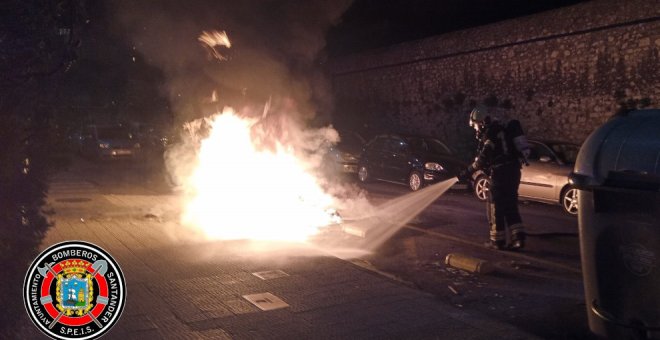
{"x":196,"y":290}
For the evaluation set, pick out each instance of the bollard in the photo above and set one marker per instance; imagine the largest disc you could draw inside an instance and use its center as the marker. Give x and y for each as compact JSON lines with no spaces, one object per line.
{"x":354,"y":230}
{"x":470,"y":264}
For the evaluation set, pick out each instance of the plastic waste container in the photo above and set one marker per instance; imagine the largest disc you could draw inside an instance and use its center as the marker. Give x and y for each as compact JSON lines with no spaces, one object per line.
{"x":617,"y":173}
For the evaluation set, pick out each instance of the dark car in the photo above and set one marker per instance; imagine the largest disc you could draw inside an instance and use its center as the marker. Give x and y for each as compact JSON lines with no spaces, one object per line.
{"x":342,"y":158}
{"x":109,"y":142}
{"x":546,"y":178}
{"x":412,"y":160}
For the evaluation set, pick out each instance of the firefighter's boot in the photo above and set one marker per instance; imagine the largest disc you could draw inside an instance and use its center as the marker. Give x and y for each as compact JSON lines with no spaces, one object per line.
{"x":518,"y":236}
{"x":495,"y":245}
{"x":497,"y":239}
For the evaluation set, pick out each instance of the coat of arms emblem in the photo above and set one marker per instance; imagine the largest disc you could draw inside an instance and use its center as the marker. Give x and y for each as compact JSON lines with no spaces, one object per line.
{"x":75,"y":289}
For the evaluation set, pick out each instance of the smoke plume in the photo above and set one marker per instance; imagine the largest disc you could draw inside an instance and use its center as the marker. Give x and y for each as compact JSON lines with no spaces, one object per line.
{"x":265,"y":65}
{"x":274,"y":48}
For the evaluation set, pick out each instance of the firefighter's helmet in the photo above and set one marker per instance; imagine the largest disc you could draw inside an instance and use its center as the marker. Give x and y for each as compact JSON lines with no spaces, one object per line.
{"x":479,"y":116}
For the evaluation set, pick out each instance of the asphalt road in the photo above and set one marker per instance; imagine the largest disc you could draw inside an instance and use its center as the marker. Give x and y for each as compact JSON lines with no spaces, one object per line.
{"x":538,"y":290}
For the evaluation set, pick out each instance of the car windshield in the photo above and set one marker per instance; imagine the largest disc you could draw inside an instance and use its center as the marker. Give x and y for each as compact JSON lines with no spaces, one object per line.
{"x":428,"y":145}
{"x":437,"y":146}
{"x":113,"y":133}
{"x":350,"y":140}
{"x":567,"y":153}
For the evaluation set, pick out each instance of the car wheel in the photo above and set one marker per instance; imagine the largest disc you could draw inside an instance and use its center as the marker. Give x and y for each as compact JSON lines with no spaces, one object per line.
{"x":480,"y":188}
{"x":363,"y":174}
{"x":569,"y":200}
{"x":415,"y":181}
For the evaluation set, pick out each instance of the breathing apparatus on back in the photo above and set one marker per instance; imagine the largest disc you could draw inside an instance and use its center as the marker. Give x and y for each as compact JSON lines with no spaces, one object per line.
{"x":480,"y":119}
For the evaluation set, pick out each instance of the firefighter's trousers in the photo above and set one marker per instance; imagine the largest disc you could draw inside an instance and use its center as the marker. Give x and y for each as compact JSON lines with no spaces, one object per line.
{"x":502,"y":203}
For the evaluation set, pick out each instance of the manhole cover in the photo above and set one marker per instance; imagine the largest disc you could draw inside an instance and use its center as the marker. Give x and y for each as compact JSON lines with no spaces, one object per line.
{"x":270,"y":274}
{"x":266,"y":301}
{"x":74,"y":199}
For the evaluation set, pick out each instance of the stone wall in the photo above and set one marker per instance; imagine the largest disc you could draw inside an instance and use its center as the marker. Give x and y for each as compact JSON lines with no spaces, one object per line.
{"x":562,"y":73}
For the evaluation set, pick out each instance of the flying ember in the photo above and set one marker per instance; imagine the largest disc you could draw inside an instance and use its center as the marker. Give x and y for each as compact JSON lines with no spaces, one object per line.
{"x":213,"y":39}
{"x":242,"y":189}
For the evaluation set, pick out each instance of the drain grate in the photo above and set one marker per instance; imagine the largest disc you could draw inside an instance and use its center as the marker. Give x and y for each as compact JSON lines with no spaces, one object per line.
{"x":266,"y":301}
{"x":270,"y":274}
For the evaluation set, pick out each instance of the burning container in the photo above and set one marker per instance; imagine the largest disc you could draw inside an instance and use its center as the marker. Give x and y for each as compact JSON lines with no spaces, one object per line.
{"x":618,"y":176}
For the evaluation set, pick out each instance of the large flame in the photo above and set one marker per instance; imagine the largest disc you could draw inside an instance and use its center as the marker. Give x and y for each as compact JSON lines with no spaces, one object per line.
{"x":241,"y":190}
{"x":255,"y":179}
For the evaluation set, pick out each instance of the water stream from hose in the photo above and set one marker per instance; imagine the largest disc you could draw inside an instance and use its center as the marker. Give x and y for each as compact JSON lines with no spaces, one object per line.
{"x":363,"y":236}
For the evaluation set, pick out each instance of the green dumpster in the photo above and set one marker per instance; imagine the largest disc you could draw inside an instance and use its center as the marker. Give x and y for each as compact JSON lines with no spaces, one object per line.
{"x":617,"y":173}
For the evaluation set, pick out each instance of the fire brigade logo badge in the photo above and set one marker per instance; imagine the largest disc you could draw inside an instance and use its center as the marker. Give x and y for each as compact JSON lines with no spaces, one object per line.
{"x":74,"y":290}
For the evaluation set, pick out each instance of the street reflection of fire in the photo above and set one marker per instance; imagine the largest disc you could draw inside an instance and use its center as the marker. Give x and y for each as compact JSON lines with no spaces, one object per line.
{"x":242,"y":189}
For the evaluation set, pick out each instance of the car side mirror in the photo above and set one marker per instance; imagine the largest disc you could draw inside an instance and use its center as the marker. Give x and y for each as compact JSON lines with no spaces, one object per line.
{"x":545,"y":159}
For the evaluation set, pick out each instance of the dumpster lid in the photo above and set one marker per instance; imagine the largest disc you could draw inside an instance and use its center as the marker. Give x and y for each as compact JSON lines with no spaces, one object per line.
{"x":623,"y":152}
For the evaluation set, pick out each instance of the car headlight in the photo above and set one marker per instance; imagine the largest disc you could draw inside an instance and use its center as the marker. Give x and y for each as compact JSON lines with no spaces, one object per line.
{"x":104,"y":145}
{"x":433,"y":166}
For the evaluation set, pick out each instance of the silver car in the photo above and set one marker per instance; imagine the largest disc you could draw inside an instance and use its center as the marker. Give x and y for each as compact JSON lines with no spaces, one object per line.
{"x":545,"y":179}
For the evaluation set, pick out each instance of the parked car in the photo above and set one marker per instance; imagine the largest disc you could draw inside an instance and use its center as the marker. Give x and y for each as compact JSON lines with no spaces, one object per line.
{"x":74,"y":139}
{"x":545,"y":179}
{"x":342,"y":158}
{"x":109,"y":142}
{"x":415,"y":161}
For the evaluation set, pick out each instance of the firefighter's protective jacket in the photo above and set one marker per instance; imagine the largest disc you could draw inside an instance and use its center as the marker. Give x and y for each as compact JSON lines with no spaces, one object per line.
{"x":496,"y":149}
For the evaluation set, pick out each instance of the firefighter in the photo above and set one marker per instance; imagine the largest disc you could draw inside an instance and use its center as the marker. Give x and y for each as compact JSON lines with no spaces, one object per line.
{"x":497,"y":156}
